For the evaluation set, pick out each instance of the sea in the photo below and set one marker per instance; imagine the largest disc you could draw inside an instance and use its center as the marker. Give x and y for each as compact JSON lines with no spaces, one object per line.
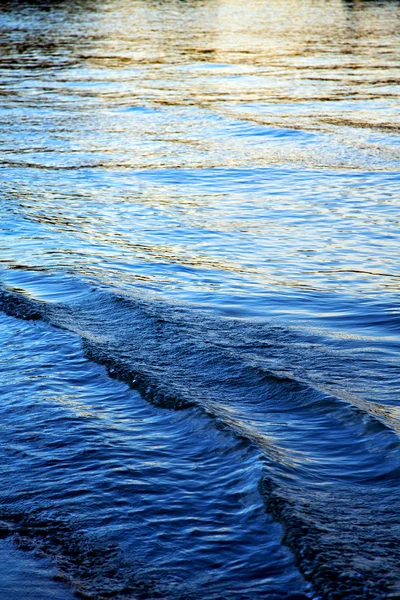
{"x":199,"y":299}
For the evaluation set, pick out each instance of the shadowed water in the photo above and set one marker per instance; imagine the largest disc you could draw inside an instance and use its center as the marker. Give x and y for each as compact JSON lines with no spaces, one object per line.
{"x":199,"y":231}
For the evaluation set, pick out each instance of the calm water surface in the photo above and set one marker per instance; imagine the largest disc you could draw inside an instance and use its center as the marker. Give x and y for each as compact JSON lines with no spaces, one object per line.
{"x":199,"y":294}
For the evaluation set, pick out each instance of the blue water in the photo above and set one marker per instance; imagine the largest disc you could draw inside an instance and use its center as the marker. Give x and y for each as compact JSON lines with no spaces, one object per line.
{"x":199,"y":315}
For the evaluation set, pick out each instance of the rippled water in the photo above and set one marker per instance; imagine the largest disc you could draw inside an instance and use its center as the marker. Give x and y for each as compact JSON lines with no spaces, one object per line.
{"x":199,"y":299}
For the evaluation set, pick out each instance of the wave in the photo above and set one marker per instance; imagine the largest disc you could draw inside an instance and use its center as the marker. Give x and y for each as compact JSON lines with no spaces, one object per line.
{"x":92,"y":570}
{"x":322,"y":451}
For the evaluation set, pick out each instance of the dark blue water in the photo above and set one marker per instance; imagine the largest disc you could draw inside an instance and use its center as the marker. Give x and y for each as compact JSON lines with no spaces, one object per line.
{"x":199,"y":294}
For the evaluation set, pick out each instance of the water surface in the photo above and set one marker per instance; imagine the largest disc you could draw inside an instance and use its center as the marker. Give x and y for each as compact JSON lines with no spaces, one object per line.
{"x":199,"y":231}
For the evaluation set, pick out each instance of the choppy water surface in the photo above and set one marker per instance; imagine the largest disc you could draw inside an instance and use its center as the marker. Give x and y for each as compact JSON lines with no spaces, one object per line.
{"x":199,"y":299}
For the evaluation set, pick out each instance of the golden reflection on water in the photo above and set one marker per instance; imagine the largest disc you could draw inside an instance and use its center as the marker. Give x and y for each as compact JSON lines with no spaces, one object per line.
{"x":333,"y":44}
{"x":177,"y":114}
